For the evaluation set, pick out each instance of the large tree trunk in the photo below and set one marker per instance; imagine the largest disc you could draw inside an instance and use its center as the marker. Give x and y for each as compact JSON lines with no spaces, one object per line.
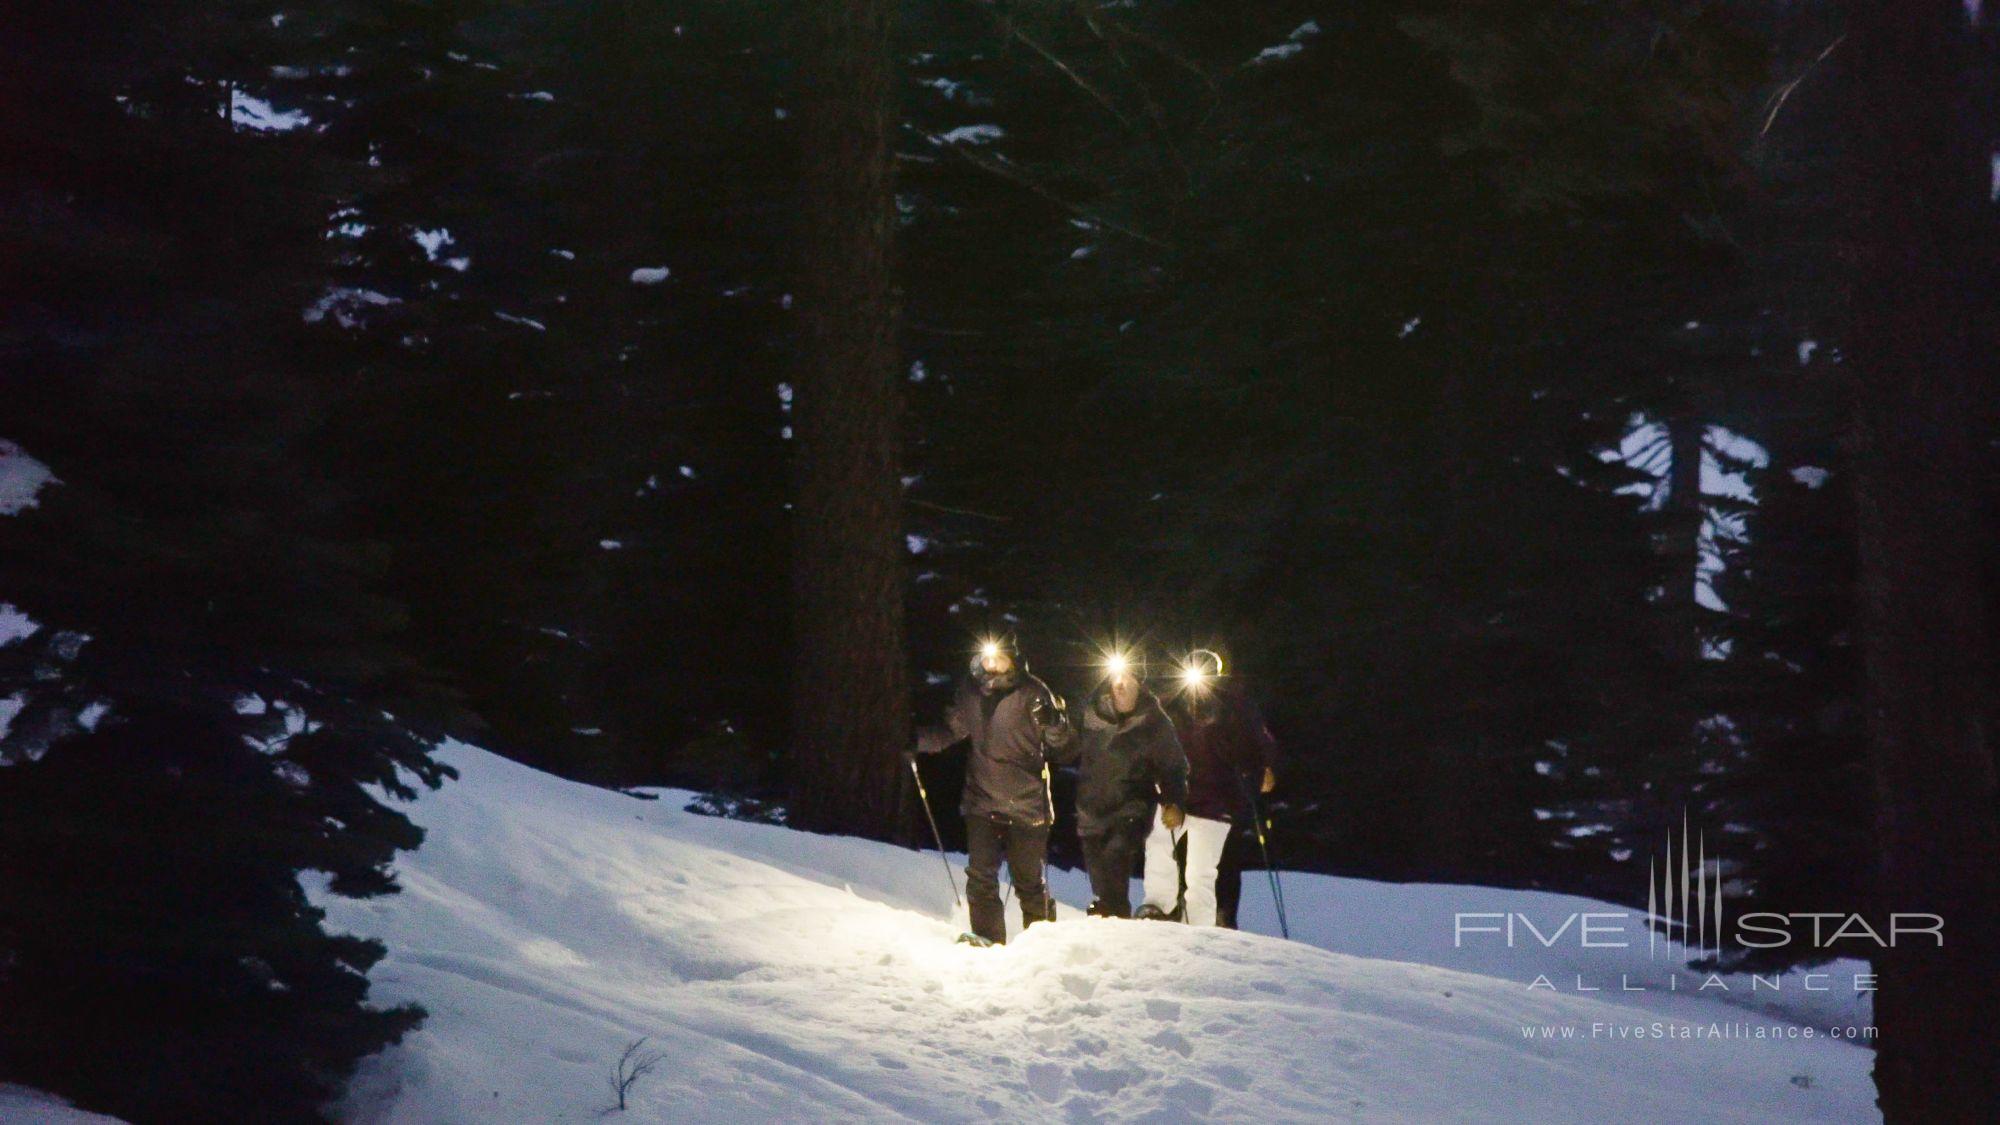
{"x":1916,"y":187}
{"x":850,"y":696}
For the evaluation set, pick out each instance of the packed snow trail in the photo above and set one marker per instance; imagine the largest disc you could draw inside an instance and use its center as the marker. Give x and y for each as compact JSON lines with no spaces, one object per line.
{"x":793,"y":977}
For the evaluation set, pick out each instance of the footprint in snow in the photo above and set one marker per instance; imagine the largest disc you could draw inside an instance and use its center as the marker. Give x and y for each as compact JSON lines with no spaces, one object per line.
{"x":1102,"y":1079}
{"x":1196,"y":1097}
{"x":1270,"y":986}
{"x":887,"y":1063}
{"x":1234,"y":1077}
{"x":1166,"y":1011}
{"x":1047,"y":1080}
{"x":1081,"y":987}
{"x":1171,"y":1040}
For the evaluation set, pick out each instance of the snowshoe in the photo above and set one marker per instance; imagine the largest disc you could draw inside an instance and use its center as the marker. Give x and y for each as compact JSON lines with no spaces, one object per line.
{"x":975,"y":941}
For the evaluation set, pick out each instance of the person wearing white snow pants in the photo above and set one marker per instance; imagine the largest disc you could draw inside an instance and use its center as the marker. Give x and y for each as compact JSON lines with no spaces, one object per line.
{"x":1230,"y":754}
{"x":1205,"y":838}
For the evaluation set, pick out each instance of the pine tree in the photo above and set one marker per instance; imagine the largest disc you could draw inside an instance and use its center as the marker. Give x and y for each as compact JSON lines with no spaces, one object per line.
{"x":217,"y":692}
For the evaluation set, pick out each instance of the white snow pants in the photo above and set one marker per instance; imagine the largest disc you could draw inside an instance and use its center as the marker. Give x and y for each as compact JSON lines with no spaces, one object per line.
{"x":1204,"y":853}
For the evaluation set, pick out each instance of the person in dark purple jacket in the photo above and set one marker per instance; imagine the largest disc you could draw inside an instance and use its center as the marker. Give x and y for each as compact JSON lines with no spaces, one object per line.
{"x":1230,"y":753}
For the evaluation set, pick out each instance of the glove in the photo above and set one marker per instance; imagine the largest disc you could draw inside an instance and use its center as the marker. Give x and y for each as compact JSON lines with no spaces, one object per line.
{"x":1048,"y":711}
{"x":1171,"y":816}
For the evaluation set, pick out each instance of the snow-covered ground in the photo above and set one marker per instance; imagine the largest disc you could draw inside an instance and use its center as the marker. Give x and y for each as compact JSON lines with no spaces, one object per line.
{"x":21,"y":1106}
{"x":784,"y":976}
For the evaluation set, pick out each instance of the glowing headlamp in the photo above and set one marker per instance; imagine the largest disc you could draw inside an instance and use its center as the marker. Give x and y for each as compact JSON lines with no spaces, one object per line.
{"x":1201,"y":665}
{"x":1116,"y":665}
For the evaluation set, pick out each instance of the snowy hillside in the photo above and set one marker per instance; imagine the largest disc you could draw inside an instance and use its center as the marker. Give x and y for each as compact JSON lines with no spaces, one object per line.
{"x":21,"y":1106}
{"x":783,"y":976}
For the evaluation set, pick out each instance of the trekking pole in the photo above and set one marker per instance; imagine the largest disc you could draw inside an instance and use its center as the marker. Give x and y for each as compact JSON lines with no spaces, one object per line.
{"x":1270,"y":873}
{"x":942,"y":858}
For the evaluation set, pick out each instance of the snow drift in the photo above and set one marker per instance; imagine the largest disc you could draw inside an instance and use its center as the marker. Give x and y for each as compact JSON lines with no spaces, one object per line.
{"x":786,"y":976}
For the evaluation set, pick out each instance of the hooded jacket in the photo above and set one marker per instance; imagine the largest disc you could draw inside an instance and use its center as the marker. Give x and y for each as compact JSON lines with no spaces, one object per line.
{"x":1228,"y":749}
{"x":1128,"y":762}
{"x":1004,"y":777}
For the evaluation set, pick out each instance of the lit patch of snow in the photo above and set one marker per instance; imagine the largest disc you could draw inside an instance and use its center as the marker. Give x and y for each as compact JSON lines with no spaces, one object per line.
{"x":93,"y":714}
{"x":1725,"y":444}
{"x":22,"y":479}
{"x":345,"y":222}
{"x":1409,"y":326}
{"x":263,"y":117}
{"x":785,"y":397}
{"x":21,"y":1105}
{"x":434,"y":243}
{"x":973,"y":135}
{"x":918,"y":373}
{"x":15,"y":625}
{"x":956,"y":91}
{"x":1812,"y":476}
{"x":522,"y":320}
{"x":780,"y":113}
{"x":251,"y":705}
{"x":917,"y":544}
{"x":345,"y":304}
{"x":687,"y":471}
{"x":1274,"y":54}
{"x":611,"y":544}
{"x":1082,"y":252}
{"x":565,"y":255}
{"x":650,"y":275}
{"x":534,"y":96}
{"x":10,"y":706}
{"x":1806,"y":350}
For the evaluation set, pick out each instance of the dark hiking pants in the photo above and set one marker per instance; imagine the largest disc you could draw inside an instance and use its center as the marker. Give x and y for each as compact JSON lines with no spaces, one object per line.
{"x":1109,"y":857}
{"x":1024,"y":847}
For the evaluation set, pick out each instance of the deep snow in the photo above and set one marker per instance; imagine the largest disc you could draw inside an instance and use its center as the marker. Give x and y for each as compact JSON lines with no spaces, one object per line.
{"x":20,"y":1105}
{"x":792,"y":977}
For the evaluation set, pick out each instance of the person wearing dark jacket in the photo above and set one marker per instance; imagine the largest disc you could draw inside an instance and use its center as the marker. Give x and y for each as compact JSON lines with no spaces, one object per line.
{"x":1230,"y":751}
{"x":1130,"y":759}
{"x":1016,"y":726}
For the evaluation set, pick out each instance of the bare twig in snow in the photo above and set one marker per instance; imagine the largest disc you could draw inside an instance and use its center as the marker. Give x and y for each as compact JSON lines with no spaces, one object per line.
{"x":632,"y":1065}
